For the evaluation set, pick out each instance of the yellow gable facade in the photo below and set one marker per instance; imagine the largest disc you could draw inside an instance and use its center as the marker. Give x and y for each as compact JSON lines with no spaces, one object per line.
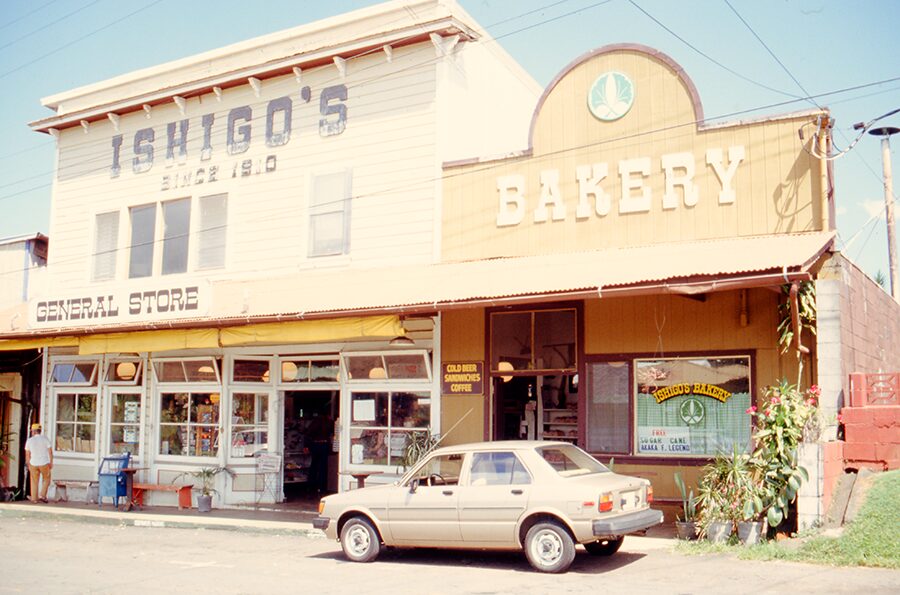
{"x":621,"y":156}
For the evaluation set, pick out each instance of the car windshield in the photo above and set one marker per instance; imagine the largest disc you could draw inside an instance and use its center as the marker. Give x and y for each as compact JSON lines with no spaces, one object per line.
{"x":569,"y":460}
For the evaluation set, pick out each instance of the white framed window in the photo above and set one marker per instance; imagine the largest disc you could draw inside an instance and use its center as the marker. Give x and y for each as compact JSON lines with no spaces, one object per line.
{"x":106,"y":242}
{"x":176,"y":235}
{"x":125,"y":415}
{"x":212,"y":235}
{"x":382,"y":424}
{"x":187,"y":370}
{"x":249,"y":423}
{"x":73,"y":373}
{"x":143,"y":237}
{"x":75,"y":427}
{"x":305,"y":370}
{"x":329,"y":213}
{"x":412,"y":366}
{"x":189,"y":423}
{"x":123,"y":372}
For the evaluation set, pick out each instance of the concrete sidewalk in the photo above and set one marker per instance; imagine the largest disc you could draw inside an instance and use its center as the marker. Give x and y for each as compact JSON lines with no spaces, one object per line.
{"x":280,"y":520}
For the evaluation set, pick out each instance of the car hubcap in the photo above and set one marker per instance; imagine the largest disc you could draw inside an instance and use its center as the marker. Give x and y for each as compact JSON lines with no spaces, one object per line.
{"x":547,"y":547}
{"x":358,"y":540}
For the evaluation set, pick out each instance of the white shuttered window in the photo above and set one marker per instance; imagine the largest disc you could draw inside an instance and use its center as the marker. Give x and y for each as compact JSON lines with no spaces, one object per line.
{"x":329,"y":214}
{"x":213,"y":227}
{"x":106,"y":239}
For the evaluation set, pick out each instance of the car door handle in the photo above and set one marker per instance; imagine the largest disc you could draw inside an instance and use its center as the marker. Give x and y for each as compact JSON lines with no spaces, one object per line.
{"x":516,"y":492}
{"x":447,"y":492}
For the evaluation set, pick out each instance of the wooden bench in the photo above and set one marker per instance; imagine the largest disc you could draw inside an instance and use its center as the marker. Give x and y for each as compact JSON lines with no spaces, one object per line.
{"x":62,"y":486}
{"x":184,"y":492}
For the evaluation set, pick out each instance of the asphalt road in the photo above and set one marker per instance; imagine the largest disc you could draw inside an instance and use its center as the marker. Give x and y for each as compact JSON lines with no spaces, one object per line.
{"x":69,"y":556}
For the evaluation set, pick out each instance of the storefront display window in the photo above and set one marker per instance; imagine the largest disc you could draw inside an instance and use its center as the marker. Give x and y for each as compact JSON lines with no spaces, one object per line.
{"x":124,"y":425}
{"x":76,"y":422}
{"x":389,"y":366}
{"x":306,"y":370}
{"x":249,"y":423}
{"x":204,"y":369}
{"x":381,"y":424}
{"x":189,"y":424}
{"x":608,"y":407}
{"x":691,"y":406}
{"x":537,"y":340}
{"x":247,"y":370}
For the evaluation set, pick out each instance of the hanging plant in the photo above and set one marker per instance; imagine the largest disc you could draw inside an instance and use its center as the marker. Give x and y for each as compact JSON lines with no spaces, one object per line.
{"x":806,"y":306}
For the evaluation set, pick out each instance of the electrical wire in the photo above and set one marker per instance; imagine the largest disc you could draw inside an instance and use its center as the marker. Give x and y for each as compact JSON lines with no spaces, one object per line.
{"x":50,"y":24}
{"x":28,"y":14}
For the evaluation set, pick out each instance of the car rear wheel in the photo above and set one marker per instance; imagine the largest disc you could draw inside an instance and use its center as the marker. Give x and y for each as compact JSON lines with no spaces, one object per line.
{"x":604,"y":547}
{"x":549,"y":547}
{"x":360,"y":540}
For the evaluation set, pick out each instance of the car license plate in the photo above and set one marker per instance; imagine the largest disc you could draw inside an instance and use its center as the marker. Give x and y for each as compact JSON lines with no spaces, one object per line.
{"x":630,"y":500}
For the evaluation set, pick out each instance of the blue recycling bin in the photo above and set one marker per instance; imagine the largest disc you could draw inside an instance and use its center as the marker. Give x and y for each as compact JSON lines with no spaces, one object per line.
{"x":113,"y":481}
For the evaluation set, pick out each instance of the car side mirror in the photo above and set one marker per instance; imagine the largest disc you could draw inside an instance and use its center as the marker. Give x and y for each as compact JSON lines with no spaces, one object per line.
{"x":413,"y":485}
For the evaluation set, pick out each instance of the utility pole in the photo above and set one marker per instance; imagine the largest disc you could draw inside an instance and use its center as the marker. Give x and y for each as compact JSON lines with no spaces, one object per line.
{"x":885,"y":134}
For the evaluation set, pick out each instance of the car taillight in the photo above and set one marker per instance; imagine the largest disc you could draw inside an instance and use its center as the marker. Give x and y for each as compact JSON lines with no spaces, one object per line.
{"x":606,"y":502}
{"x":321,"y":506}
{"x":649,"y":494}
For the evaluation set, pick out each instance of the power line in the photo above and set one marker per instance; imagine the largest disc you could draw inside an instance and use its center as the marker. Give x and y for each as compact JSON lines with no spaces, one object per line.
{"x":83,"y":37}
{"x":50,"y":24}
{"x":28,"y":14}
{"x":710,"y":58}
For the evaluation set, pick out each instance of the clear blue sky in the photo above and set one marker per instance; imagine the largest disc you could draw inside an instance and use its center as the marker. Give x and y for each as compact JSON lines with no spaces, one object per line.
{"x":48,"y":46}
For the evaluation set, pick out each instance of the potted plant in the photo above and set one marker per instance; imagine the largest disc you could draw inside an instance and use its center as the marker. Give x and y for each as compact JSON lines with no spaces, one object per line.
{"x":722,"y":487}
{"x":207,"y":479}
{"x":779,"y":431}
{"x":686,"y":522}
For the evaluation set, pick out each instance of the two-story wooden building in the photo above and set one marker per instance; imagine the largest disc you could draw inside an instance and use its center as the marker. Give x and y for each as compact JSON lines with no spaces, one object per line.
{"x":233,"y":239}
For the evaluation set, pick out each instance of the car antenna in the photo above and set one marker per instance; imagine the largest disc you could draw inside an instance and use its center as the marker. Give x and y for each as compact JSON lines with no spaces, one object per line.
{"x":447,"y":433}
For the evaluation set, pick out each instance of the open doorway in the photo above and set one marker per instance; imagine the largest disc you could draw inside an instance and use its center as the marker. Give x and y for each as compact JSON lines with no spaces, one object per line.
{"x":542,"y":407}
{"x":310,"y":459}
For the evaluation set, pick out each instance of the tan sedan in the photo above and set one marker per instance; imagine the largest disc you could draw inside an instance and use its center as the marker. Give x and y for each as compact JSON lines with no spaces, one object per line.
{"x":543,"y":497}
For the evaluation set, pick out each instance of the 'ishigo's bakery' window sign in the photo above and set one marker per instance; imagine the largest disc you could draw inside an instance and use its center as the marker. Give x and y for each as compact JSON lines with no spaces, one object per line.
{"x":692,"y":406}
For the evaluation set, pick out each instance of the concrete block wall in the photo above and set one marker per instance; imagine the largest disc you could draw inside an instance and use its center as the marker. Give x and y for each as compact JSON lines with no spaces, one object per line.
{"x":824,"y":463}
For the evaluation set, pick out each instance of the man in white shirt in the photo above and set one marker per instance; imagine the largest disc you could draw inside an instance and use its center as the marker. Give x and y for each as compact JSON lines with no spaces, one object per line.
{"x":39,"y":458}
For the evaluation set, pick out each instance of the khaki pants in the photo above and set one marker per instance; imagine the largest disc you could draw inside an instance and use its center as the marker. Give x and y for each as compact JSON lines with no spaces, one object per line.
{"x":38,"y":473}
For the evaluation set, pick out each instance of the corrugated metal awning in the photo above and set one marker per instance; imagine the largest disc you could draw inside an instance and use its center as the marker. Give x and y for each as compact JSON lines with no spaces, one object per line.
{"x":684,"y":268}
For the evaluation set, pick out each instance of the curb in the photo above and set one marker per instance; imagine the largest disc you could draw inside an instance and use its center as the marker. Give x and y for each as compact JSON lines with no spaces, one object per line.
{"x":118,"y":518}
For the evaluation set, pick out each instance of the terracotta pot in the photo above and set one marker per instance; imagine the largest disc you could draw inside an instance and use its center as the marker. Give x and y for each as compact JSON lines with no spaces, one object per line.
{"x":686,"y":530}
{"x":719,"y":531}
{"x":752,"y":532}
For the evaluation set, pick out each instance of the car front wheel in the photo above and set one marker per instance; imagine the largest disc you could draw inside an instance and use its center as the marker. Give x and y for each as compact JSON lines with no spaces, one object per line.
{"x":604,"y":547}
{"x":359,"y":540}
{"x":549,"y":547}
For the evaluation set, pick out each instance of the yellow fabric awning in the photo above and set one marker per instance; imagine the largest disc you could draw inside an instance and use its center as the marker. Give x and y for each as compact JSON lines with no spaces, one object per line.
{"x":16,"y":344}
{"x":312,"y":331}
{"x":300,"y":331}
{"x":167,"y":340}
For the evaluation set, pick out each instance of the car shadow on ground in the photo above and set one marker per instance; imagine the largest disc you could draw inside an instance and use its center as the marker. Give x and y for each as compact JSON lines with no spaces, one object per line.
{"x":506,"y":560}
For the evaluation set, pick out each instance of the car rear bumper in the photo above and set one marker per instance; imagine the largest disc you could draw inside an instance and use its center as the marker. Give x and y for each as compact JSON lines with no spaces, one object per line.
{"x":321,"y":522}
{"x":627,"y":523}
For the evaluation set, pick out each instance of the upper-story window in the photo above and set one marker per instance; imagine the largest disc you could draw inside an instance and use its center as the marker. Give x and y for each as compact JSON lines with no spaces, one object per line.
{"x":176,"y":235}
{"x":106,"y":241}
{"x":211,"y":237}
{"x":329,"y":214}
{"x":143,"y":234}
{"x":179,"y":252}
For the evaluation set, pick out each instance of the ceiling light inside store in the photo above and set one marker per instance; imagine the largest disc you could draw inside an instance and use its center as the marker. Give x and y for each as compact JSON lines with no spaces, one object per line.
{"x":126,"y":370}
{"x":377,"y":373}
{"x":505,"y":367}
{"x":288,"y":371}
{"x":401,"y":340}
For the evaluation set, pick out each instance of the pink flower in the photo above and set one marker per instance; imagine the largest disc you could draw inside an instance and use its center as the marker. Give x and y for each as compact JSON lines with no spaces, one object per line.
{"x":751,"y":410}
{"x":815,"y":390}
{"x":770,"y":412}
{"x":840,"y":417}
{"x":775,"y":400}
{"x":811,"y":402}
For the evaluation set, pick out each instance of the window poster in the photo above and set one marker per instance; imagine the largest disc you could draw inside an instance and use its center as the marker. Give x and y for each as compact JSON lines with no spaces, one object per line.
{"x":129,"y":435}
{"x":692,"y":406}
{"x":132,"y":411}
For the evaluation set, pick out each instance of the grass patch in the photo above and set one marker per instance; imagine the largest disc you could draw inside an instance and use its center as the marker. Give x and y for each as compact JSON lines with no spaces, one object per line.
{"x":871,"y":540}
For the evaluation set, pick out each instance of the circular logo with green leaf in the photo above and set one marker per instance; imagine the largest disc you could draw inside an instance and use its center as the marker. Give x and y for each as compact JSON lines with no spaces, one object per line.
{"x":611,"y":96}
{"x":692,"y":411}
